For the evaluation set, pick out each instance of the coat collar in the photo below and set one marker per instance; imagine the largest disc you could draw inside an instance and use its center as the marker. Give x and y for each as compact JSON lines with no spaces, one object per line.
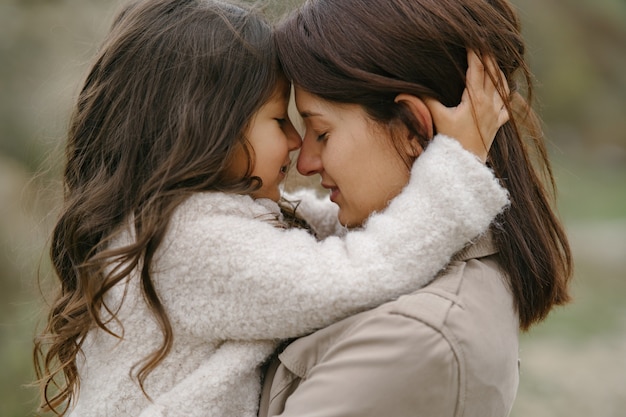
{"x":480,"y":247}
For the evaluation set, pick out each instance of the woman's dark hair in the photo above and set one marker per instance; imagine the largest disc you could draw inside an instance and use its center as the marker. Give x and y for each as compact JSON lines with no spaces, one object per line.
{"x":364,"y":52}
{"x":164,"y":107}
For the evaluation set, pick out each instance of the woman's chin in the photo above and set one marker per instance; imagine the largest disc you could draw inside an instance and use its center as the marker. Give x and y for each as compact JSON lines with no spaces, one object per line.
{"x":349,"y":220}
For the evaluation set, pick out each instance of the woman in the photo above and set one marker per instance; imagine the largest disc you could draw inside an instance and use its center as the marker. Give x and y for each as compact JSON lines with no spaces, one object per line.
{"x":451,"y":348}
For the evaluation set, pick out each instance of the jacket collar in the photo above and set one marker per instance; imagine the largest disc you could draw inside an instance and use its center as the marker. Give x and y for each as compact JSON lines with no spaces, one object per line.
{"x":480,"y":247}
{"x":303,"y":353}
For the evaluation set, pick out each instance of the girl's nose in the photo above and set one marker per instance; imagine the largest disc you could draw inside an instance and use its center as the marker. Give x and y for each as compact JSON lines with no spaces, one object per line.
{"x":294,"y":141}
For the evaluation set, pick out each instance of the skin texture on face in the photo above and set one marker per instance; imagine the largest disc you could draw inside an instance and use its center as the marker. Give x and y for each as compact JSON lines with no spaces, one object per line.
{"x":355,"y":158}
{"x":271,"y":137}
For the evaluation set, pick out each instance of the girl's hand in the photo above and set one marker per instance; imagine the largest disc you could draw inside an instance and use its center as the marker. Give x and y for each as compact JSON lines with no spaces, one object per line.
{"x":482,"y":111}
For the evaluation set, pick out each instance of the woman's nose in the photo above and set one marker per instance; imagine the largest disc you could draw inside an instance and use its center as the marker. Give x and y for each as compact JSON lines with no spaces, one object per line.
{"x":309,"y":160}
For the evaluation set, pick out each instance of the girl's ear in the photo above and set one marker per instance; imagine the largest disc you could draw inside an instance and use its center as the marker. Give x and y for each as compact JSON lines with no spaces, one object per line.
{"x":419,"y":110}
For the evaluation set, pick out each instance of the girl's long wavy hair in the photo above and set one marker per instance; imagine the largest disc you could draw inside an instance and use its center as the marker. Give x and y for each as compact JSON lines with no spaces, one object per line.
{"x":163,"y":108}
{"x":364,"y":52}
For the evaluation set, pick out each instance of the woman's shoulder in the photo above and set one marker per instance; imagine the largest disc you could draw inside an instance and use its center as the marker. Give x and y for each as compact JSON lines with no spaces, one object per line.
{"x":468,"y":315}
{"x":465,"y":322}
{"x":467,"y":301}
{"x":459,"y":333}
{"x":469,"y":304}
{"x":468,"y":293}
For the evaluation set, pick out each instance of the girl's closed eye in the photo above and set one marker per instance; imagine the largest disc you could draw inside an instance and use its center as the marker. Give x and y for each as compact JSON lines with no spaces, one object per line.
{"x":281,"y":121}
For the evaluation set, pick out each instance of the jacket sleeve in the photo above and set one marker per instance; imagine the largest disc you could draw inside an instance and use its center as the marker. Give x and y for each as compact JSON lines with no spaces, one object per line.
{"x":407,"y":369}
{"x":320,"y":214}
{"x":244,"y":279}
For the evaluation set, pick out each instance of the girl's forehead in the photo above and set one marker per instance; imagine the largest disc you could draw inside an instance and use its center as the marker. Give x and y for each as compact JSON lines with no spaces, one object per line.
{"x":283,"y":87}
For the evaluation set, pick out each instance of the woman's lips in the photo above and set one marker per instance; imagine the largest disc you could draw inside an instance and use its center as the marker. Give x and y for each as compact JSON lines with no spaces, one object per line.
{"x":334,"y":192}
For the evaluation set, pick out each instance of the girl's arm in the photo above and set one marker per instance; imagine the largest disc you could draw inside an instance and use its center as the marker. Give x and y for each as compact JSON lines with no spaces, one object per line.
{"x":243,"y":279}
{"x":319,"y":213}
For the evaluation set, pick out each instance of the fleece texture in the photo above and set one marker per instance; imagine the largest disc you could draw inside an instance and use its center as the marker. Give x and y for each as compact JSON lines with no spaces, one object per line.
{"x":234,"y":285}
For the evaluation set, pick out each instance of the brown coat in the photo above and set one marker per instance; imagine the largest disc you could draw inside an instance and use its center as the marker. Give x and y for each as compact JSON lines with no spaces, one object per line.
{"x":449,"y":349}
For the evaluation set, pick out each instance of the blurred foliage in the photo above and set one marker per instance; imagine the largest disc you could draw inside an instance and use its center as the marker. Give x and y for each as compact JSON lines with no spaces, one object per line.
{"x":577,"y":50}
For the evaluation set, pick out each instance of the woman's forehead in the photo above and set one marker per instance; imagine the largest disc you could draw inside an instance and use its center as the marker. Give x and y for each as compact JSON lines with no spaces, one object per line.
{"x":312,"y":105}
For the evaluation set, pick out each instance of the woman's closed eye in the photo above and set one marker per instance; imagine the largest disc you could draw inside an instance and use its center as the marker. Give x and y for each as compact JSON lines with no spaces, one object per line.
{"x":322,"y":137}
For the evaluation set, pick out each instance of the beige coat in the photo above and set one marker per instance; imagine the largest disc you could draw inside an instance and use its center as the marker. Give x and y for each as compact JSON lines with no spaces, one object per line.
{"x":449,"y":349}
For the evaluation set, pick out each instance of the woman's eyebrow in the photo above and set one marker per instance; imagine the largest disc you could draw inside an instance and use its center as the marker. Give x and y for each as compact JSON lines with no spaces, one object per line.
{"x":305,"y":114}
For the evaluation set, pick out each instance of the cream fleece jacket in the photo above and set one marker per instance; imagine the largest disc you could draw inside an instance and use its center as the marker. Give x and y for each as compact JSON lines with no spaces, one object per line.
{"x":233,"y":285}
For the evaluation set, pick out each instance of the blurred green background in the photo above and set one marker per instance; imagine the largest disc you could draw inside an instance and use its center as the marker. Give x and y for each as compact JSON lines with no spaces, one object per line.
{"x":573,"y":365}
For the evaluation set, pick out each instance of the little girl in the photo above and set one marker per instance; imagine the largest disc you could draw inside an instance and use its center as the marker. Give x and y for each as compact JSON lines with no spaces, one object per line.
{"x":178,"y":274}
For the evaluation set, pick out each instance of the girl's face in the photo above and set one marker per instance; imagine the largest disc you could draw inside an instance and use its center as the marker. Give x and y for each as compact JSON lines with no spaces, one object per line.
{"x":355,"y":157}
{"x":271,"y":136}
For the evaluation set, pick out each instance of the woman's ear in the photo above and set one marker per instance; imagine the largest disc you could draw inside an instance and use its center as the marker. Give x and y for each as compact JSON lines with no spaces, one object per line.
{"x":419,"y":110}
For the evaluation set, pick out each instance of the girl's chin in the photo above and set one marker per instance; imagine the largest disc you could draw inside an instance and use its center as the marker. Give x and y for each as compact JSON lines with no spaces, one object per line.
{"x":271,"y":194}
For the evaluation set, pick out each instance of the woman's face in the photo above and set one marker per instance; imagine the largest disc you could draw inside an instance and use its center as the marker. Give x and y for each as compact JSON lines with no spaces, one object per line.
{"x":354,"y":156}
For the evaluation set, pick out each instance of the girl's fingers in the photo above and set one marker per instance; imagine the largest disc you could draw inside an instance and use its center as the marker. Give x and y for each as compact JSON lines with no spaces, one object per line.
{"x":504,"y":83}
{"x":496,"y":83}
{"x":485,"y":83}
{"x":491,"y":68}
{"x":435,"y":107}
{"x":504,"y":115}
{"x":475,"y":76}
{"x":482,"y":110}
{"x":440,"y":114}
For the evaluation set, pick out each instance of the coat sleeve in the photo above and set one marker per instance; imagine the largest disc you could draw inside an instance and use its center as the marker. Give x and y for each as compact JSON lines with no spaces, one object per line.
{"x":319,"y":213}
{"x":389,"y":365}
{"x":243,"y":279}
